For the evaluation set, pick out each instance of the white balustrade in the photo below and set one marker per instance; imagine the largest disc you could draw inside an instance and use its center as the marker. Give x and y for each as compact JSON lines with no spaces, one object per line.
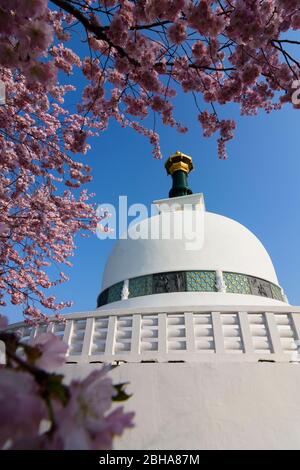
{"x":221,"y":334}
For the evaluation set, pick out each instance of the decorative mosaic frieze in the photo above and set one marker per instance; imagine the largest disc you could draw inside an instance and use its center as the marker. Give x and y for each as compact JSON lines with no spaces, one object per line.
{"x":168,"y":282}
{"x":237,"y":283}
{"x":139,"y":286}
{"x":277,"y":293}
{"x":260,"y":287}
{"x":191,"y":281}
{"x":201,"y":281}
{"x":102,"y":298}
{"x":115,"y":292}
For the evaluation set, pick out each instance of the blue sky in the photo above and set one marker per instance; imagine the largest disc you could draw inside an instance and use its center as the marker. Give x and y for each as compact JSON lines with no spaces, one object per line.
{"x":259,"y":186}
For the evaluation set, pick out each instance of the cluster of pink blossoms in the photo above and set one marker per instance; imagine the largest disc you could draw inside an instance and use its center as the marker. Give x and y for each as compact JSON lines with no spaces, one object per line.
{"x":225,"y":51}
{"x":39,"y":411}
{"x":221,"y":51}
{"x":39,"y":215}
{"x":25,"y":36}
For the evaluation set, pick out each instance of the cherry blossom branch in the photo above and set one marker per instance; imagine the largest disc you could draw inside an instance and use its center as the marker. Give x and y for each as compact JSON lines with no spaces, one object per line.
{"x":97,"y":30}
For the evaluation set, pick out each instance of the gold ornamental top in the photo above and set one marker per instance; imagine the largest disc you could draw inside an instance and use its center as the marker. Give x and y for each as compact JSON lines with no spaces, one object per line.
{"x":179,"y":161}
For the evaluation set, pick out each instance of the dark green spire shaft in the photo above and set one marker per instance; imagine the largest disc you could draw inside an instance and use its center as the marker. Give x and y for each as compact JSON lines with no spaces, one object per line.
{"x":179,"y":166}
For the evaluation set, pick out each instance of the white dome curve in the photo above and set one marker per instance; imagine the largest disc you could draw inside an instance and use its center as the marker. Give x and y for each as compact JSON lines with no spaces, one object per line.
{"x":227,"y":246}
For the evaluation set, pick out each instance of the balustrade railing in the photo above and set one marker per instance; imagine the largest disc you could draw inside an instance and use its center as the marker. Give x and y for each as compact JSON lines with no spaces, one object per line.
{"x":220,"y":334}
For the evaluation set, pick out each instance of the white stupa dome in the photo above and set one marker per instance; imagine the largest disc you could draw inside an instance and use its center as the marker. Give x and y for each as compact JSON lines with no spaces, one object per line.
{"x":227,"y":246}
{"x":218,"y":261}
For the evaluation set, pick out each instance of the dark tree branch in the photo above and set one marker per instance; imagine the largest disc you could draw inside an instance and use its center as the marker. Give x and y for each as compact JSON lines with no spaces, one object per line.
{"x":288,"y":41}
{"x":287,"y":56}
{"x":203,"y":67}
{"x":98,"y":31}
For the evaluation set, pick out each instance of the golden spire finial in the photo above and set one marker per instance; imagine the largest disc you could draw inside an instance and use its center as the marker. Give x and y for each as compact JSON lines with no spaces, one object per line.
{"x":179,"y":166}
{"x":179,"y":161}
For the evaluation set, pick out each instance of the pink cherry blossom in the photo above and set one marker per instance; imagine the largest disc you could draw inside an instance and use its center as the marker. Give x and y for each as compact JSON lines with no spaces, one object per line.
{"x":4,"y":231}
{"x":39,"y":411}
{"x":296,"y":21}
{"x":84,"y":422}
{"x":53,"y":217}
{"x":32,"y":8}
{"x":45,"y":74}
{"x":117,"y":421}
{"x":36,"y":35}
{"x":21,"y":409}
{"x":8,"y":55}
{"x":53,"y":351}
{"x":177,"y":33}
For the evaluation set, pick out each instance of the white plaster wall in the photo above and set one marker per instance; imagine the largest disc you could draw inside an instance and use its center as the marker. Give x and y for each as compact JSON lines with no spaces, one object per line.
{"x":209,"y":406}
{"x":228,"y":246}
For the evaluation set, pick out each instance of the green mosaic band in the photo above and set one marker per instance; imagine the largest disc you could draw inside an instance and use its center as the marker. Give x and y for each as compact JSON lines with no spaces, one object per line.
{"x":201,"y":281}
{"x":115,"y":292}
{"x":237,"y":283}
{"x":191,"y":281}
{"x":139,"y":286}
